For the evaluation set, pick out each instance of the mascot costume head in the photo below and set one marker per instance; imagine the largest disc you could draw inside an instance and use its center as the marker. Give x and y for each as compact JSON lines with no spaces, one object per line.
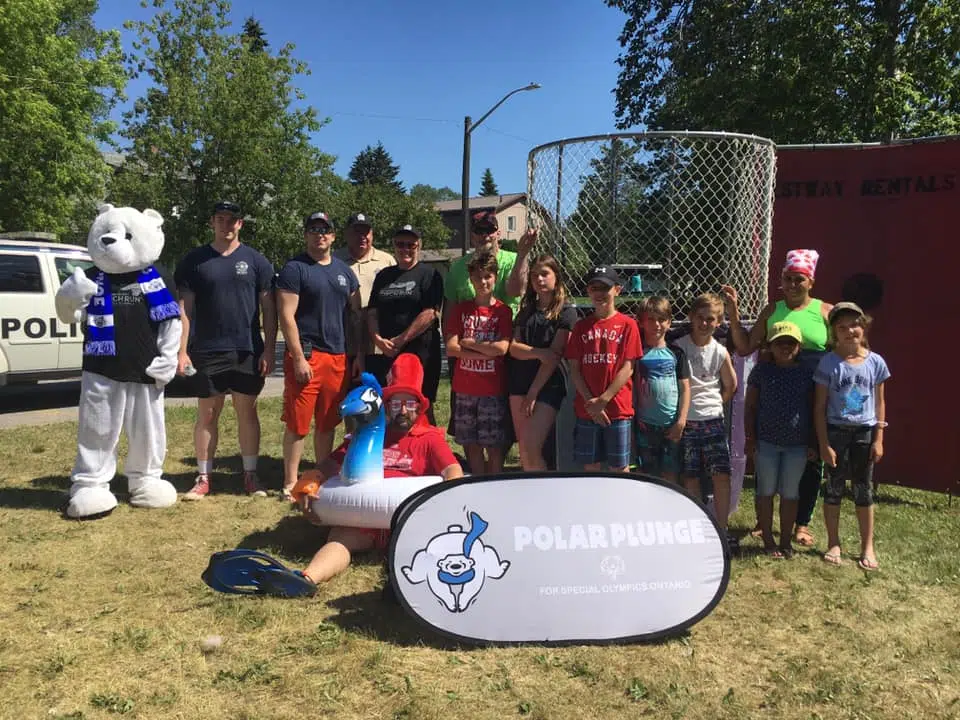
{"x":131,"y":332}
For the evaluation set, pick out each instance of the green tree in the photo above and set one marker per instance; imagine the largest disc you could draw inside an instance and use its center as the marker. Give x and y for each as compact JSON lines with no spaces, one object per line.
{"x":488,"y":186}
{"x":59,"y":78}
{"x":389,"y":210}
{"x":221,"y":119}
{"x":429,"y":194}
{"x":374,"y":166}
{"x":791,"y":70}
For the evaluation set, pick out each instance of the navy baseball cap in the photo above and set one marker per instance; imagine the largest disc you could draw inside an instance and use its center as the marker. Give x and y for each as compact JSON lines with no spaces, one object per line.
{"x":319,"y":218}
{"x":602,"y":274}
{"x":408,"y":230}
{"x":227,"y":206}
{"x":359,"y":219}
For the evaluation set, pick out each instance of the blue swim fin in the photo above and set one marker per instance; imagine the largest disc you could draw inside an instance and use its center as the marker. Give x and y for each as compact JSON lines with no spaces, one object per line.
{"x":250,"y":572}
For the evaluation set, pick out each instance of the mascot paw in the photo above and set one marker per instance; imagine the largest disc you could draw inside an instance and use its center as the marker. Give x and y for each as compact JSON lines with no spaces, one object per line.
{"x":162,"y":370}
{"x":89,"y":501}
{"x":152,"y":493}
{"x":74,"y":294}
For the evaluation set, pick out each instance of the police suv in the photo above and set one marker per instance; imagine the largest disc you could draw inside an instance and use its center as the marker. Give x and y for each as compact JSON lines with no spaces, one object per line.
{"x":34,"y":343}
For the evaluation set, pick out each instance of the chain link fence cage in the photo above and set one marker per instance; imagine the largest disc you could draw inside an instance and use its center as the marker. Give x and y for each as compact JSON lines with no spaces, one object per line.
{"x":676,"y":213}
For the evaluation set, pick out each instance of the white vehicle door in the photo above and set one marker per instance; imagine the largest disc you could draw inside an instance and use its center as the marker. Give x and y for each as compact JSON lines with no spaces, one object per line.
{"x":70,"y":336}
{"x":26,"y":308}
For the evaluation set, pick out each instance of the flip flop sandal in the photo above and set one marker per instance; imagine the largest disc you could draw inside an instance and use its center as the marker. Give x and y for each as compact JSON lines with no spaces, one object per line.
{"x":833,"y":558}
{"x":866,"y":564}
{"x":249,"y":572}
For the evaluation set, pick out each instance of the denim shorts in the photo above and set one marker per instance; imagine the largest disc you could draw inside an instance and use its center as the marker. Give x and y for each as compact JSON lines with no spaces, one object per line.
{"x":480,"y":420}
{"x":655,"y":453}
{"x":705,"y":449}
{"x":594,"y":443}
{"x":852,"y":446}
{"x":778,"y":469}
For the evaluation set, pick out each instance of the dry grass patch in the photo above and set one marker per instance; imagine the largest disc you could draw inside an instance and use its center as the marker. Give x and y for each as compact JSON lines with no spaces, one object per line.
{"x":105,"y":619}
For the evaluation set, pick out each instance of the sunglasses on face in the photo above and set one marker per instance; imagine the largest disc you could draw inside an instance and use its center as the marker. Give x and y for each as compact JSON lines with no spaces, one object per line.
{"x":405,"y":244}
{"x":319,"y":231}
{"x":408,"y":405}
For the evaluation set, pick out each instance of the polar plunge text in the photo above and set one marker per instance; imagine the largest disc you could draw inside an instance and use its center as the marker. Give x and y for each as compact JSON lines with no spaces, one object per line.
{"x":612,"y":535}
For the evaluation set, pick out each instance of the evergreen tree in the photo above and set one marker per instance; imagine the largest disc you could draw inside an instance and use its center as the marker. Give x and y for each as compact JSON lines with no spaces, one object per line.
{"x":374,"y":166}
{"x":253,"y":33}
{"x":487,"y":186}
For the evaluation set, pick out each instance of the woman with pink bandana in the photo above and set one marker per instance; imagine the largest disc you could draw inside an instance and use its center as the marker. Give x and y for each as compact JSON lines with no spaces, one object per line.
{"x":810,"y":315}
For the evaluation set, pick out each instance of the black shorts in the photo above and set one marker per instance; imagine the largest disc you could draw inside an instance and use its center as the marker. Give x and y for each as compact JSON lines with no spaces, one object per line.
{"x":223,"y":372}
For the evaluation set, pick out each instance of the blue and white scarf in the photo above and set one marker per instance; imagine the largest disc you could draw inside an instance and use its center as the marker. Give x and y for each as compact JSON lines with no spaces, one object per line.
{"x":100,"y":332}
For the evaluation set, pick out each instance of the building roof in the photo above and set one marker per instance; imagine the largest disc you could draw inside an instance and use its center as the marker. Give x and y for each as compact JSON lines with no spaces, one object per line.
{"x":498,"y":202}
{"x":444,"y":255}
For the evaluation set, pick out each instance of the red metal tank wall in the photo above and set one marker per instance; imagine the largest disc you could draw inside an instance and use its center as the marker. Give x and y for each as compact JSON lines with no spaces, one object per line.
{"x":892,"y":212}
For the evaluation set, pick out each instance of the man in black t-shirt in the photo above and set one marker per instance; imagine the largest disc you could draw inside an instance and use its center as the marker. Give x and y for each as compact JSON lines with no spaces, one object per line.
{"x":404,"y":312}
{"x":223,"y":288}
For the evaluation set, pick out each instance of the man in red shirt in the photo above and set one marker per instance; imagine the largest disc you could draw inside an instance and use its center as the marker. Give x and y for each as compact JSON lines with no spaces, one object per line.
{"x":411,"y":447}
{"x":602,"y":349}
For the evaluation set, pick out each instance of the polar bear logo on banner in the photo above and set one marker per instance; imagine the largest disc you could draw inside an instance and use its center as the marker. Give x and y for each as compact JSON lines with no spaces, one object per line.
{"x":455,"y":564}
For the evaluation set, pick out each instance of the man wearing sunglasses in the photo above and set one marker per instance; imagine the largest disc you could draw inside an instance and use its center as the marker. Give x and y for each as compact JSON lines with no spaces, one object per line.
{"x":318,"y":299}
{"x":412,"y":447}
{"x":404,"y":312}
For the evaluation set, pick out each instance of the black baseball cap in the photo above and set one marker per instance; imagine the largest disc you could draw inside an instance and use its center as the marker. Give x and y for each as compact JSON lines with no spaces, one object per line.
{"x":227,"y":206}
{"x":408,"y":230}
{"x":359,"y":219}
{"x":319,"y":218}
{"x":484,"y":221}
{"x":602,"y":274}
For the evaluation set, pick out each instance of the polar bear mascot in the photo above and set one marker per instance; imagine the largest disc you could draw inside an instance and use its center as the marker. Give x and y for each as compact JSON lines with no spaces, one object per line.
{"x":131,"y":335}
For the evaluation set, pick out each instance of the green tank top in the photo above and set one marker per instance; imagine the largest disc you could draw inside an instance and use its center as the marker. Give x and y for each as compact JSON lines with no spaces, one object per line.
{"x":810,"y":320}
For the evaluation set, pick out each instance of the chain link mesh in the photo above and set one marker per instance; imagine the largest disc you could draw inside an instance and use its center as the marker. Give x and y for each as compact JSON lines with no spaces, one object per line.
{"x":677,"y":214}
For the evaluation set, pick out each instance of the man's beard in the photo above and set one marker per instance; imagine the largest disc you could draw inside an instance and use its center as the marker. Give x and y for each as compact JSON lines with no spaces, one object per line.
{"x":401,"y":424}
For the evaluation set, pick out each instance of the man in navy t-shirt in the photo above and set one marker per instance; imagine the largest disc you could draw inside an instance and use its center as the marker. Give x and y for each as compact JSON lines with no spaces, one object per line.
{"x":318,"y":298}
{"x":223,"y":287}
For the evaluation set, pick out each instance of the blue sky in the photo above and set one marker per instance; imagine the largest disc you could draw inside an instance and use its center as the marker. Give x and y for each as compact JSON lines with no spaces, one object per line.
{"x":406,"y":72}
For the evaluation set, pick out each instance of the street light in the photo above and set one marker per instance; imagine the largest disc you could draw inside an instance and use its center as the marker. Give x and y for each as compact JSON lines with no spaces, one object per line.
{"x":468,"y":128}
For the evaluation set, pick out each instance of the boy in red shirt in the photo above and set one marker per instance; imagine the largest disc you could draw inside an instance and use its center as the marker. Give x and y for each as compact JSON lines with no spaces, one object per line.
{"x":602,"y":349}
{"x":478,"y":336}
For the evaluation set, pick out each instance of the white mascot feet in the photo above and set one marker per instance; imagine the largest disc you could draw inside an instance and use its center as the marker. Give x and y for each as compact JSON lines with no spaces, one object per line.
{"x":131,"y":330}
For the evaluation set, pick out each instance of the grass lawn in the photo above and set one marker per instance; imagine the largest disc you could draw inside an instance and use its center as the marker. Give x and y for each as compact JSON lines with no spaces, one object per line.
{"x":105,"y":618}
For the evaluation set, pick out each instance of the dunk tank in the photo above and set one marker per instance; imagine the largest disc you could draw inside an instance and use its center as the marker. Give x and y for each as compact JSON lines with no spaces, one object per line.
{"x":680,"y":213}
{"x":676,"y":213}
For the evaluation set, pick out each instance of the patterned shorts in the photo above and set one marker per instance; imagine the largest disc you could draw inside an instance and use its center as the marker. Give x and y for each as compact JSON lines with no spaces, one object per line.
{"x":705,"y":449}
{"x":479,"y":420}
{"x":655,"y":453}
{"x":594,"y":443}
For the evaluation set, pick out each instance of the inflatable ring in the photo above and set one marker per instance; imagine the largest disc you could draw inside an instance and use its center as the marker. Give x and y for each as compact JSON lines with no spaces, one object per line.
{"x":360,"y":496}
{"x":370,"y":504}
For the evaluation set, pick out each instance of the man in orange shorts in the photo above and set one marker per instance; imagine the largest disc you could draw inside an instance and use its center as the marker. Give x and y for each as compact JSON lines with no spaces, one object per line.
{"x":318,"y":297}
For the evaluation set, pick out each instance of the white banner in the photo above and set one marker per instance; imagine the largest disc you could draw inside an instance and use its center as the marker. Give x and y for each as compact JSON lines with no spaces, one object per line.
{"x":557,"y":558}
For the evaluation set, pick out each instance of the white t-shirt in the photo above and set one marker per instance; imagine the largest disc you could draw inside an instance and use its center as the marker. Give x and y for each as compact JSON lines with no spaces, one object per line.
{"x":704,"y":364}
